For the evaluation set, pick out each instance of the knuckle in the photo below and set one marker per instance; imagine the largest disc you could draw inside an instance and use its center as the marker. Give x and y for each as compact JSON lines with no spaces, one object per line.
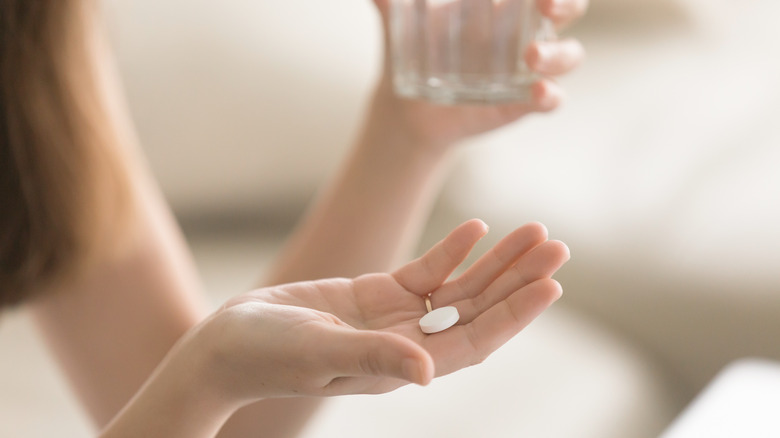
{"x":427,"y":264}
{"x":478,"y":354}
{"x":478,"y":358}
{"x":518,"y":274}
{"x":451,"y":251}
{"x":370,"y":362}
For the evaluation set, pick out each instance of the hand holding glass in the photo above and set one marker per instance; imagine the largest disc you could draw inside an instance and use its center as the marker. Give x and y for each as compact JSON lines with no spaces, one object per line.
{"x":464,"y":51}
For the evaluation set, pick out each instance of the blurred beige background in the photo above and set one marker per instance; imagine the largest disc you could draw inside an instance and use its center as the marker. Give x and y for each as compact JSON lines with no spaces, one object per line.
{"x":660,"y":172}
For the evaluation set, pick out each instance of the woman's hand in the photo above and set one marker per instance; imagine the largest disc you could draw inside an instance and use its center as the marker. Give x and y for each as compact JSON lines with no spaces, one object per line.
{"x":430,"y":125}
{"x":343,"y":336}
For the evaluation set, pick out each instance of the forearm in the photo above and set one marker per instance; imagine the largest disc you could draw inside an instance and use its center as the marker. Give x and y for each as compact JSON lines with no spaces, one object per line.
{"x":111,"y":328}
{"x":368,"y":218}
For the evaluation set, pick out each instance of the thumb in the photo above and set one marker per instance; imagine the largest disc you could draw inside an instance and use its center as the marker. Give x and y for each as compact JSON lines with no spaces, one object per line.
{"x":381,"y":354}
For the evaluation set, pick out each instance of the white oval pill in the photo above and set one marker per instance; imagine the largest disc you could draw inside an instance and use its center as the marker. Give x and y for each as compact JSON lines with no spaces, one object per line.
{"x":439,"y":319}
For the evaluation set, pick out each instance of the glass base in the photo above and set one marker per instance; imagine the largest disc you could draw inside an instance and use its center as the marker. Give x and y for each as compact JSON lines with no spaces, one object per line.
{"x":473,"y":92}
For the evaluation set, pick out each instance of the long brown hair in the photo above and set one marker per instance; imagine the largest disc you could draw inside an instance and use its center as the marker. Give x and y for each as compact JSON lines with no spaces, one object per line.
{"x":60,"y":180}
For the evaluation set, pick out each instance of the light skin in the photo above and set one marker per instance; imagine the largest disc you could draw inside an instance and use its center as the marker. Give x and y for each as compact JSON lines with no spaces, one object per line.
{"x":358,"y":335}
{"x":111,"y":329}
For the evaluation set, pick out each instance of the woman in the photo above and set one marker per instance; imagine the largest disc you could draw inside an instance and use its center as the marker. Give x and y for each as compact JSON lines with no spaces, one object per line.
{"x":87,"y":243}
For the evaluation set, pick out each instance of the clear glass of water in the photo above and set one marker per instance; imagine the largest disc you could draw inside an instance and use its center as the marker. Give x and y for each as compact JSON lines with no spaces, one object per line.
{"x":464,"y":51}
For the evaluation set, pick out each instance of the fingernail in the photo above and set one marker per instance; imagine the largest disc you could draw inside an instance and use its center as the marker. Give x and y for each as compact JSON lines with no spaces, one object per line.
{"x":541,"y":56}
{"x":544,"y":53}
{"x":560,"y":7}
{"x":412,"y":371}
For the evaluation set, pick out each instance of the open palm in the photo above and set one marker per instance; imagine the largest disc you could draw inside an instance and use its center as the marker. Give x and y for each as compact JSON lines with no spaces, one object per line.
{"x":496,"y":297}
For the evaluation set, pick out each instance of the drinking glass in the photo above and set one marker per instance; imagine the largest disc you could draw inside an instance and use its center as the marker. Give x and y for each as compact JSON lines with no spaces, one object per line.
{"x":464,"y":51}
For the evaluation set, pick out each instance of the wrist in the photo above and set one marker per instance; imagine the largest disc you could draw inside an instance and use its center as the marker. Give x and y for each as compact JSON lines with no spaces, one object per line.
{"x":180,"y":399}
{"x":393,"y":125}
{"x":208,"y":368}
{"x":195,"y":398}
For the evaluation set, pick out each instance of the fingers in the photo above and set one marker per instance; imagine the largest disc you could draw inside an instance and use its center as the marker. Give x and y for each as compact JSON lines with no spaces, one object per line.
{"x":492,"y":264}
{"x":562,"y":12}
{"x":542,"y":262}
{"x":554,"y":58}
{"x":501,"y":322}
{"x":428,"y":272}
{"x":546,"y":96}
{"x":357,"y":353}
{"x":469,"y":344}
